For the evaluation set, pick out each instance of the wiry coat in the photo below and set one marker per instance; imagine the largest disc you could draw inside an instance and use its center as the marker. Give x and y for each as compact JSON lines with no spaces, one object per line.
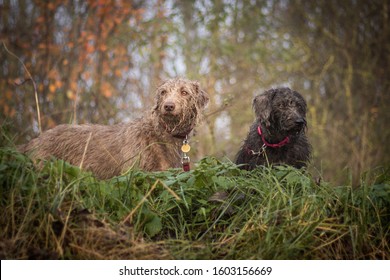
{"x":150,"y":143}
{"x":280,"y":113}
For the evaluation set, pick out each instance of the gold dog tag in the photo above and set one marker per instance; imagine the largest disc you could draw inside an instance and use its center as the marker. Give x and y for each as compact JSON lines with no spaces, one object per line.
{"x":185,"y":148}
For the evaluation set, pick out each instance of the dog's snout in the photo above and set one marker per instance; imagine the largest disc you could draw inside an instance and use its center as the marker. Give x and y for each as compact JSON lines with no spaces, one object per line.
{"x":300,"y":121}
{"x":169,"y":106}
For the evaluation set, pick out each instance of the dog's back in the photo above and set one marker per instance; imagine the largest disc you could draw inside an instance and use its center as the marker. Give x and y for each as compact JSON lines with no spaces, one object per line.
{"x":93,"y":147}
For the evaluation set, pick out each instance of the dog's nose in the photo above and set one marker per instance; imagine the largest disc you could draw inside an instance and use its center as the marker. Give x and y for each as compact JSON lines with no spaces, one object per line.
{"x":169,"y":106}
{"x":300,"y":121}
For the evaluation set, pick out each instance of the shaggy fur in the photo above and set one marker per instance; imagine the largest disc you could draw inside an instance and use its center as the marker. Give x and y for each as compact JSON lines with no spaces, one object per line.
{"x":280,"y":113}
{"x":152,"y":142}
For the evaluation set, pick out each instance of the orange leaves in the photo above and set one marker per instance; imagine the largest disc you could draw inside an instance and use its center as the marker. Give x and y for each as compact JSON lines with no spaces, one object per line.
{"x":6,"y":97}
{"x":55,"y":83}
{"x":89,"y":48}
{"x":103,"y":47}
{"x":52,"y":88}
{"x":49,"y":122}
{"x":106,"y":90}
{"x":118,"y":20}
{"x":88,"y":36}
{"x":40,"y":19}
{"x":71,"y":94}
{"x":73,"y":90}
{"x":118,"y":73}
{"x":8,"y":110}
{"x":51,"y":6}
{"x":58,"y":83}
{"x":8,"y":94}
{"x":138,"y":14}
{"x":107,"y":93}
{"x":75,"y":50}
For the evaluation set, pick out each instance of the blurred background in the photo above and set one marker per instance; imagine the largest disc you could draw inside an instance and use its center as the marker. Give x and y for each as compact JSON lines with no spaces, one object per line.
{"x":100,"y":61}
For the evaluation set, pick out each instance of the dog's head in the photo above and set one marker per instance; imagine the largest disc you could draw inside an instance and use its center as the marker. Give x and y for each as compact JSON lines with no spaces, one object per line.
{"x":179,"y":105}
{"x":281,"y":109}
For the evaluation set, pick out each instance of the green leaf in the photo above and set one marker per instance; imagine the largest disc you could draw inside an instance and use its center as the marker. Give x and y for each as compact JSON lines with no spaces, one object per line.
{"x":154,"y":226}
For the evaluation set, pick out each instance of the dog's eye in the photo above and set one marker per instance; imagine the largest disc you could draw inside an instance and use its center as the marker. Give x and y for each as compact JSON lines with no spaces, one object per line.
{"x":163,"y":92}
{"x":184,"y":93}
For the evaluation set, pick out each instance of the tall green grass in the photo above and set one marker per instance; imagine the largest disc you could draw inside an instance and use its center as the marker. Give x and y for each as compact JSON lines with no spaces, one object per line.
{"x":216,"y":211}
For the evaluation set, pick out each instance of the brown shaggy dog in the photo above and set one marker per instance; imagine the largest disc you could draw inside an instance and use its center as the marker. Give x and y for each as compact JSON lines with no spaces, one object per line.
{"x":278,"y":134}
{"x":151,"y":143}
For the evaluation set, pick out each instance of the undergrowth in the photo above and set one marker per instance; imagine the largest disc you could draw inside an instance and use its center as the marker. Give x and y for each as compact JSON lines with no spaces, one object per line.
{"x":215,"y":211}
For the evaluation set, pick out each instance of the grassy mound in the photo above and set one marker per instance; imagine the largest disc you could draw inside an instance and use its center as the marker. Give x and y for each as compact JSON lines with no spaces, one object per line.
{"x":216,"y":211}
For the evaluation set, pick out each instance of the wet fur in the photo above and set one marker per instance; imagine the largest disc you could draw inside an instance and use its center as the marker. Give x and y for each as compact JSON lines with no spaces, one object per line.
{"x":150,"y":143}
{"x":277,"y":112}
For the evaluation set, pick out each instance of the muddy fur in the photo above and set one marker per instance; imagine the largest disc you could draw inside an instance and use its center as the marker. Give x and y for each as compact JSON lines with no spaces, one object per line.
{"x":281,"y":113}
{"x":150,"y":143}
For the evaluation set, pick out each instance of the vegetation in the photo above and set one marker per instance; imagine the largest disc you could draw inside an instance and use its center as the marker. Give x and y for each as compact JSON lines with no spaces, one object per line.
{"x":215,"y":211}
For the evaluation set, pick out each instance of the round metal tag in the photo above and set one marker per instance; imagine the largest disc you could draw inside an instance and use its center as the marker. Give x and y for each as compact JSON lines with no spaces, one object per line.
{"x":185,"y":148}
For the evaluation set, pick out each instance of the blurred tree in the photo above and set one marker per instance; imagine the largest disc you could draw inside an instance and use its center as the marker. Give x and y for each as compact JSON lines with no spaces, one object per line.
{"x":82,"y":56}
{"x":343,"y":70}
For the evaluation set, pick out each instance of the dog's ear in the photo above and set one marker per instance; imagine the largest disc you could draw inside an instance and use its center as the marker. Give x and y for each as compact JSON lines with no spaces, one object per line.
{"x":302,"y":101}
{"x":157,"y":95}
{"x":203,"y":97}
{"x":156,"y":102}
{"x":262,"y":105}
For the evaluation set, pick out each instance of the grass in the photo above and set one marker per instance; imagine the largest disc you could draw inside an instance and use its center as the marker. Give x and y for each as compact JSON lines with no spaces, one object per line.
{"x":215,"y":211}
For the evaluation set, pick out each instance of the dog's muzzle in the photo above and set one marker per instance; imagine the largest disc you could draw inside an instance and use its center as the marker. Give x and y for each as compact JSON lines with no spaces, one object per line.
{"x":295,"y":126}
{"x":300,"y":124}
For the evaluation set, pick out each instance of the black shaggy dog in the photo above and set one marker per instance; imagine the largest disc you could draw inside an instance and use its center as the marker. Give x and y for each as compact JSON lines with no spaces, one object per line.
{"x":278,"y":134}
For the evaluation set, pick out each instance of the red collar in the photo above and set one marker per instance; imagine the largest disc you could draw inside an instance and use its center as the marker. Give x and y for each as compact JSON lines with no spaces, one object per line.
{"x":277,"y":145}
